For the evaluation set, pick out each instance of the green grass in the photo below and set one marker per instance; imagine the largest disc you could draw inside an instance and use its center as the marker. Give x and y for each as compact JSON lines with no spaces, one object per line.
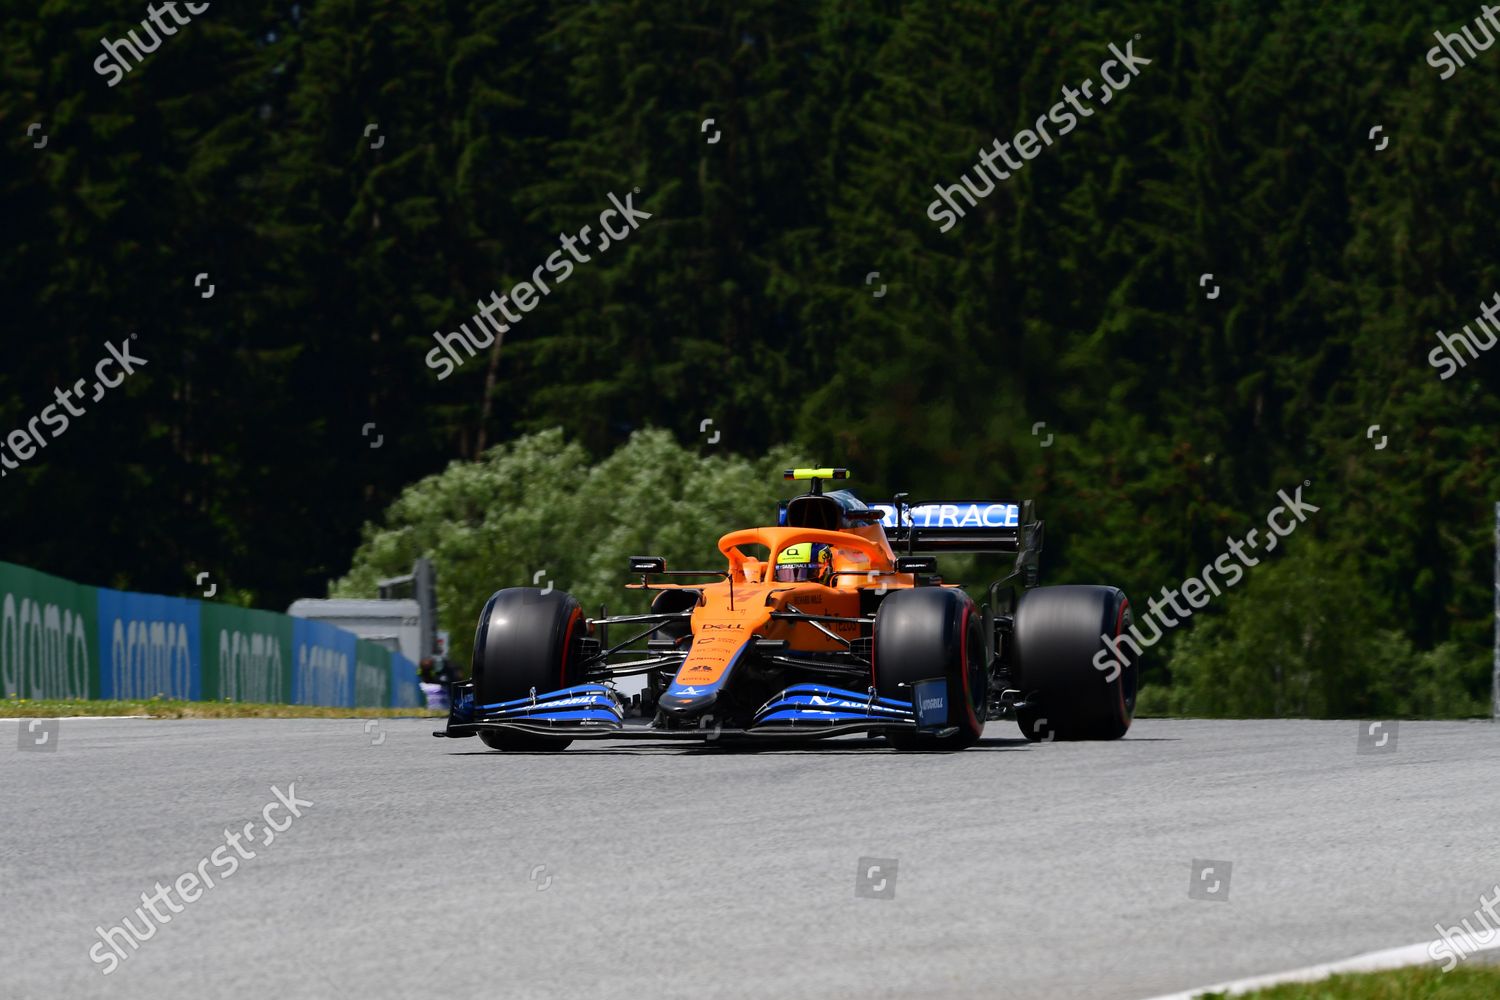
{"x":165,"y":708}
{"x":1479,"y":982}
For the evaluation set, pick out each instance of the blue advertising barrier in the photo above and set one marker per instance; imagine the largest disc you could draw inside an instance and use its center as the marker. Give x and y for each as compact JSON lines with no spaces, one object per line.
{"x":406,"y":691}
{"x":64,"y":640}
{"x":323,"y":664}
{"x":149,"y":646}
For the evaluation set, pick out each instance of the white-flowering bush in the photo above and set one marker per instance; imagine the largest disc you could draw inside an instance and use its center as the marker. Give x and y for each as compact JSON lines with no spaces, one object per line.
{"x":539,"y":504}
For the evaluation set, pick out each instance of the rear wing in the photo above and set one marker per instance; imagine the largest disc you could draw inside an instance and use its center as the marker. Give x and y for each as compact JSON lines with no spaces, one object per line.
{"x":966,"y":526}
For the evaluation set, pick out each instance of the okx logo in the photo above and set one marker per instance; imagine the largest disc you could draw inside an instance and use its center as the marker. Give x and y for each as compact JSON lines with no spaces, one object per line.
{"x":875,"y":878}
{"x":38,"y":734}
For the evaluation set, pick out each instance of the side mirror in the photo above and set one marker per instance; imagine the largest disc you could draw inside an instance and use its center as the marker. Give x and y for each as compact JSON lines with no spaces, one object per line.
{"x":647,"y":564}
{"x":916,"y":564}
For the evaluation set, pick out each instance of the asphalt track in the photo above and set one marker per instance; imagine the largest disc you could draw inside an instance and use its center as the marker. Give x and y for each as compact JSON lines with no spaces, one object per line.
{"x":434,"y":868}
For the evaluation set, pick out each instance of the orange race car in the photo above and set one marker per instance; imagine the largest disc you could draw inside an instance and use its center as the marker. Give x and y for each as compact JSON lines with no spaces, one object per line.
{"x":820,"y":626}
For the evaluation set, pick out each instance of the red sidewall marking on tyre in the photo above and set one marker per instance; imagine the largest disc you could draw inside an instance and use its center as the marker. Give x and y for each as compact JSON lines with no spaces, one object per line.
{"x":562,"y":677}
{"x":1119,"y":631}
{"x":963,"y":653}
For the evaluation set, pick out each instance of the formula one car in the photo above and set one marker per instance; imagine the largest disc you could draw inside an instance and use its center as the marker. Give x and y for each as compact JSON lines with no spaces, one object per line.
{"x":819,"y":627}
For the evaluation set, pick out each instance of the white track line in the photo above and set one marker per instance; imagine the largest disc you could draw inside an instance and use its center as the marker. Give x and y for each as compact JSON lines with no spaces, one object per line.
{"x":1374,"y":961}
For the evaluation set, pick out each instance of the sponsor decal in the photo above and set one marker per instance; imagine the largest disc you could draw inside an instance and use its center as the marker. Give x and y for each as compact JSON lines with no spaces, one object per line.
{"x":250,"y":667}
{"x":587,"y":699}
{"x":931,"y":700}
{"x":44,"y":650}
{"x":151,"y":657}
{"x":823,"y":705}
{"x":955,"y":515}
{"x":800,"y":553}
{"x":722,"y":626}
{"x":708,"y":666}
{"x":321,"y":674}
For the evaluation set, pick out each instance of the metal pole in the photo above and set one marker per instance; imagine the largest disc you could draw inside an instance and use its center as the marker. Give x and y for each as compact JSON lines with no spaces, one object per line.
{"x":1495,"y":679}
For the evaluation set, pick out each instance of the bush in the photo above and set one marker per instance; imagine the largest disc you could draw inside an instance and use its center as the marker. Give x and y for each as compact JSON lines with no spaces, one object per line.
{"x":1300,"y":639}
{"x":538,"y":504}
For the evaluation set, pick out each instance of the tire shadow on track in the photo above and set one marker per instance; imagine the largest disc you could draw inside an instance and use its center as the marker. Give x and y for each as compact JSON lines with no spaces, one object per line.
{"x":727,"y":749}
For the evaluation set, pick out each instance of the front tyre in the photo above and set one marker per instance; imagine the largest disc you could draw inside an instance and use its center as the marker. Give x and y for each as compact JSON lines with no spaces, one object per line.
{"x":527,"y":640}
{"x":1073,"y":685}
{"x":926,"y":633}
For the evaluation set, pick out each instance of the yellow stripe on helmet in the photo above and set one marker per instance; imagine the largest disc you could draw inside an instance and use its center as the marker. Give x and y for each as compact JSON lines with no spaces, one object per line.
{"x":799,"y":553}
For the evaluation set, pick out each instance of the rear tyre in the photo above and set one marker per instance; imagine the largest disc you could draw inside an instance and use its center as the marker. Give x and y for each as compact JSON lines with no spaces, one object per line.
{"x":1074,"y":686}
{"x":526,"y":639}
{"x":933,"y":632}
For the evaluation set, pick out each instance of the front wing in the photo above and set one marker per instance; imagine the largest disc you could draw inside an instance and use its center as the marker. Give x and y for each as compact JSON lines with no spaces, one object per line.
{"x":593,"y":711}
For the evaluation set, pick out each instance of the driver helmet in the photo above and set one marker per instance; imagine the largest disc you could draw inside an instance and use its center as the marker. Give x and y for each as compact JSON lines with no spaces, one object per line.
{"x":803,"y":562}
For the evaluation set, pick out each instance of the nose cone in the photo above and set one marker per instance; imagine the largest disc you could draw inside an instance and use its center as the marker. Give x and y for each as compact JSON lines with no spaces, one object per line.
{"x":687,"y":701}
{"x":709,"y":664}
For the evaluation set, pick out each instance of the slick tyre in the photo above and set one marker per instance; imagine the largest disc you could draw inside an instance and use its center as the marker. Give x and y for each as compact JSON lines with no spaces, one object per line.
{"x":526,"y":640}
{"x":1073,"y":686}
{"x":933,"y":632}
